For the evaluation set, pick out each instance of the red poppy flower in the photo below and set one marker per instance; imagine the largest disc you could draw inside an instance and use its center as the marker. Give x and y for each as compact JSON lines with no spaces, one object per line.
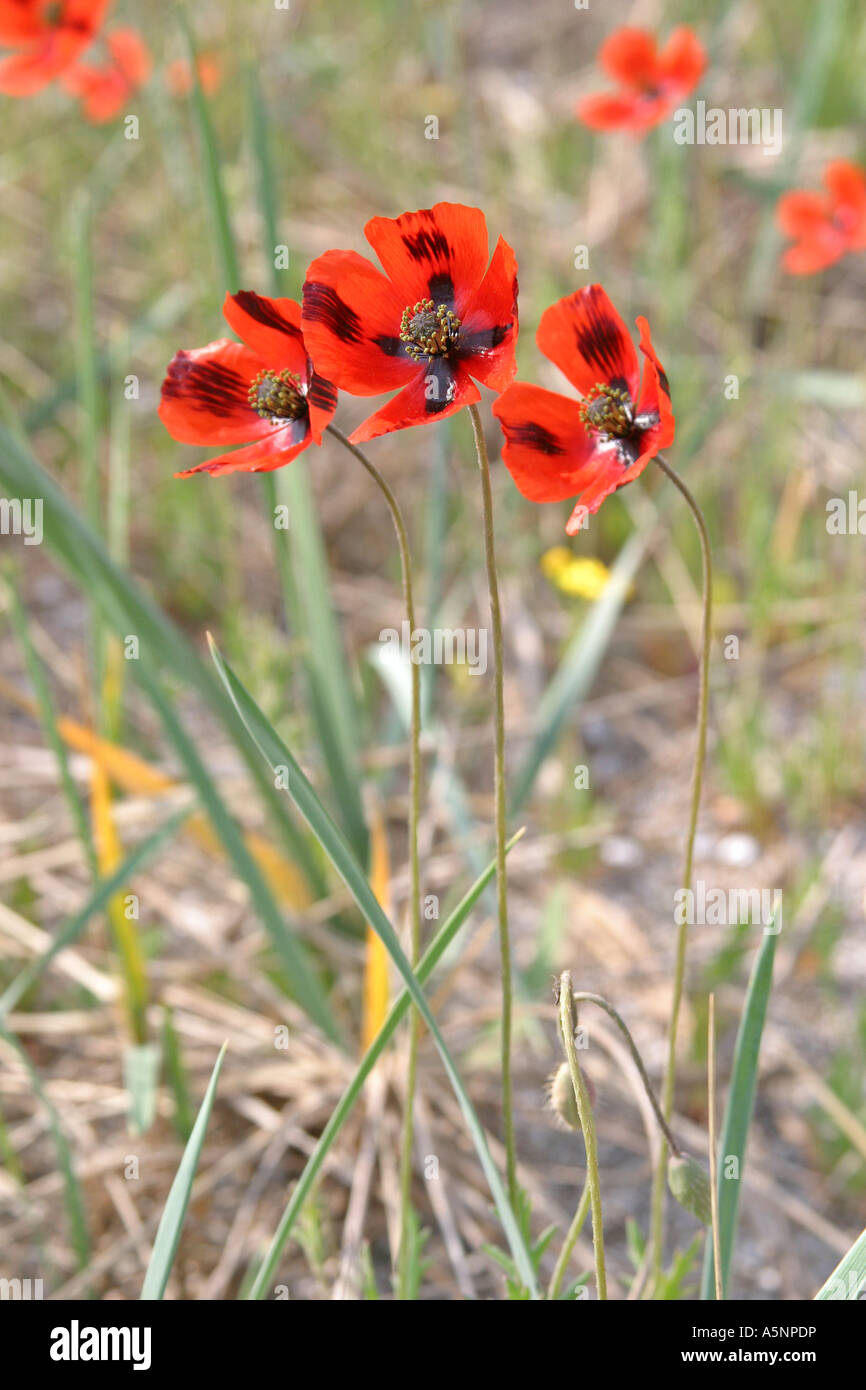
{"x":653,"y":81}
{"x":105,"y":88}
{"x":438,"y":317}
{"x":557,"y":447}
{"x":179,"y":75}
{"x":262,"y":392}
{"x":824,"y":225}
{"x":51,"y":34}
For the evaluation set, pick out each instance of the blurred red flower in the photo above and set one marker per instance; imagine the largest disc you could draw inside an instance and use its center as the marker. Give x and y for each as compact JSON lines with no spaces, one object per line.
{"x":263,"y":392}
{"x":50,"y":34}
{"x":557,"y":447}
{"x":438,"y":317}
{"x":178,"y":75}
{"x":653,"y":81}
{"x":825,"y":226}
{"x":105,"y":88}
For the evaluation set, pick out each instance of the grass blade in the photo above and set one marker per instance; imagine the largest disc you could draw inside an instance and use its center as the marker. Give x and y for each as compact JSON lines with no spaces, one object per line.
{"x":73,"y":1196}
{"x":172,"y":1219}
{"x":427,"y":964}
{"x":340,"y":854}
{"x":128,"y":609}
{"x":579,"y":665}
{"x":738,"y":1111}
{"x":848,"y":1279}
{"x":102,"y":894}
{"x":303,"y":567}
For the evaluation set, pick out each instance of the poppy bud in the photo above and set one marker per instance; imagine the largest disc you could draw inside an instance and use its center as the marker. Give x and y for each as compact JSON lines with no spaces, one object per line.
{"x":690,"y":1186}
{"x":561,"y":1096}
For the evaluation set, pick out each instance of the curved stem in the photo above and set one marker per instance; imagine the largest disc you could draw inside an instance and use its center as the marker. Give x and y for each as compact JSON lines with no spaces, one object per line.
{"x":499,"y":798}
{"x":658,"y":1195}
{"x":581,"y":996}
{"x":568,"y":1244}
{"x":414,"y":864}
{"x":587,"y":1125}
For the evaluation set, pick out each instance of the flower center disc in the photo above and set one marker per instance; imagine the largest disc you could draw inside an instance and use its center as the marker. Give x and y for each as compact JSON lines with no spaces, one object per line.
{"x":277,"y":396}
{"x":429,"y":330}
{"x":608,"y":410}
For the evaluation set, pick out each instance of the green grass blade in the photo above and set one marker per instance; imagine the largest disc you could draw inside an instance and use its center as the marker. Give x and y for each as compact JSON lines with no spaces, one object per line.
{"x":172,"y":1219}
{"x":141,"y":1063}
{"x":579,"y":666}
{"x":175,"y":1073}
{"x":73,"y":1195}
{"x":427,"y":964}
{"x":848,"y":1279}
{"x":337,"y":848}
{"x":303,"y":980}
{"x":48,"y":721}
{"x":302,"y":563}
{"x":224,"y":242}
{"x":103,"y":892}
{"x":128,"y":609}
{"x":738,"y":1110}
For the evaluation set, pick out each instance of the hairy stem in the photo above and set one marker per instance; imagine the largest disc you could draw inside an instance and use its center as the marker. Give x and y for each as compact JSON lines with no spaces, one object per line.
{"x":658,"y":1194}
{"x":568,"y":1244}
{"x":567,"y":1021}
{"x":414,"y":865}
{"x":499,"y":798}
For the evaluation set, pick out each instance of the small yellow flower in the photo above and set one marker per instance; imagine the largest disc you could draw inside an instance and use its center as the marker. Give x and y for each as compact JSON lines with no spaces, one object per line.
{"x":580,"y":576}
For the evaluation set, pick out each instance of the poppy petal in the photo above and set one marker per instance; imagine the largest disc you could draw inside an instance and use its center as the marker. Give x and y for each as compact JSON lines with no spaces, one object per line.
{"x":437,"y":390}
{"x":321,"y":403}
{"x":438,"y":253}
{"x":547,"y":448}
{"x":630,"y":56}
{"x":205,"y":395}
{"x":615,"y":111}
{"x":847,"y":187}
{"x":815,"y":253}
{"x":278,"y":449}
{"x":682,"y":61}
{"x":131,"y":55}
{"x":488,"y":331}
{"x":655,"y":393}
{"x":584,"y":336}
{"x":351,"y":322}
{"x":271,"y":328}
{"x":800,"y":213}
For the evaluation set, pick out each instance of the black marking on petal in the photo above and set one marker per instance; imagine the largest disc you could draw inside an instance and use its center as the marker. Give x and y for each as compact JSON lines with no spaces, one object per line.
{"x":263,"y":311}
{"x":323,"y":305}
{"x":440,"y":385}
{"x":534,"y":436}
{"x":664,"y":383}
{"x":209,"y":385}
{"x":485,"y":339}
{"x":321,"y":393}
{"x":391,"y":346}
{"x":628,"y":448}
{"x":428,"y":245}
{"x":600,"y":342}
{"x":441,"y":289}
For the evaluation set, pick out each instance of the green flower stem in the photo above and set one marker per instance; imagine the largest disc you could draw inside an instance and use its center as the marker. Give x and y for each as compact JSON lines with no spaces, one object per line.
{"x":567,"y":1021}
{"x":658,"y":1194}
{"x":582,"y":998}
{"x":414,"y":864}
{"x":499,"y":796}
{"x":568,"y":1244}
